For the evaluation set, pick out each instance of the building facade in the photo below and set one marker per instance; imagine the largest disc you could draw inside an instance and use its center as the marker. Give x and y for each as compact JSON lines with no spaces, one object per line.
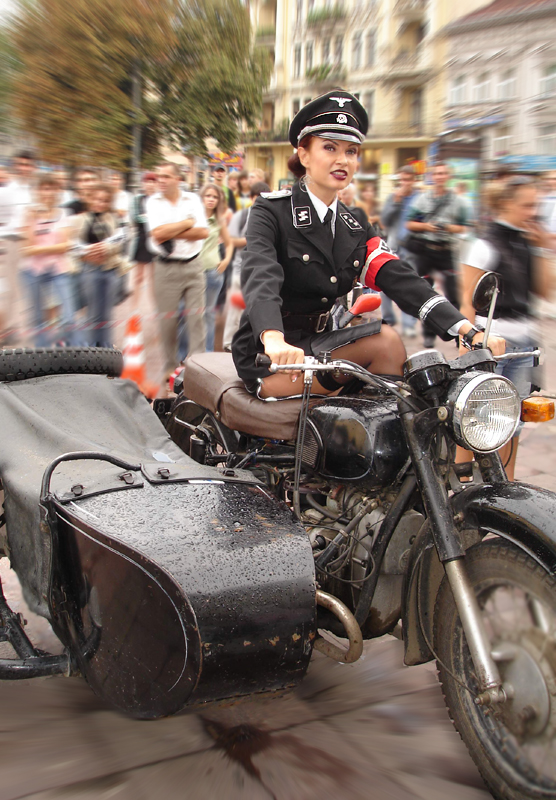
{"x":501,"y":84}
{"x":387,"y":52}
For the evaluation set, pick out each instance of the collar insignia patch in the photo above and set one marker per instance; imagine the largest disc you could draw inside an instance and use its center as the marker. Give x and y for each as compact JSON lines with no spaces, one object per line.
{"x":350,"y":221}
{"x":302,"y":217}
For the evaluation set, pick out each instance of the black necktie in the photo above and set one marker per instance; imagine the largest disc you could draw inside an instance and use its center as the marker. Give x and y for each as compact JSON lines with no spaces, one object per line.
{"x":327,"y":225}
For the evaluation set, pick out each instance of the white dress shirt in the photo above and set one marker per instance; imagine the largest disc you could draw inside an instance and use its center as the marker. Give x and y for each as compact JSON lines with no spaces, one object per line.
{"x":321,"y":208}
{"x":161,"y":211}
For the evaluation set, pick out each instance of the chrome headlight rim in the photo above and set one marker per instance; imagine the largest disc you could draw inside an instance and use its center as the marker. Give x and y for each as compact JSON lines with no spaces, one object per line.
{"x":460,"y":393}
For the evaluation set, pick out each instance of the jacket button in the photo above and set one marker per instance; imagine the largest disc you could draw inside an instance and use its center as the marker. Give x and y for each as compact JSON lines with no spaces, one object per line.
{"x":333,"y":279}
{"x":306,"y":257}
{"x":324,"y":299}
{"x":356,"y":263}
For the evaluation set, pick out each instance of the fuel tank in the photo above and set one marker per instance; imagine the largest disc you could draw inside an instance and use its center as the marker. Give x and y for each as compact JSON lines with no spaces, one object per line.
{"x":179,"y":589}
{"x":356,"y":439}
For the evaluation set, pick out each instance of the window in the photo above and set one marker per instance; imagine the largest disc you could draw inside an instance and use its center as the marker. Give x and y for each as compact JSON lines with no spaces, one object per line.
{"x":481,"y":90}
{"x":547,"y":141}
{"x":416,"y":107}
{"x":501,"y":143}
{"x":309,"y":56}
{"x":457,"y":91}
{"x":356,"y":54}
{"x":371,"y":49}
{"x":548,"y":81}
{"x":368,"y":104}
{"x":296,"y":105}
{"x":307,"y":100}
{"x":326,"y":51}
{"x":339,"y":49}
{"x":297,"y":61}
{"x":507,"y":86}
{"x":299,"y":12}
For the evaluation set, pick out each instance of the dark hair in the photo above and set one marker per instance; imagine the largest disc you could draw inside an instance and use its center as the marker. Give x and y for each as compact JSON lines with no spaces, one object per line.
{"x":258,"y":188}
{"x":408,"y":170}
{"x":220,"y":209}
{"x":439,"y":164}
{"x":241,"y":176}
{"x":48,"y":180}
{"x":27,"y":155}
{"x":90,"y":170}
{"x":294,"y":163}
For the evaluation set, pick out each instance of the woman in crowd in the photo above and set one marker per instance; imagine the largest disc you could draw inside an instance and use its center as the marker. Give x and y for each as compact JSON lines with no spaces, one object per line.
{"x":101,"y":241}
{"x":514,"y":246}
{"x":141,"y":254}
{"x":305,"y":249}
{"x":214,"y":202}
{"x":46,"y":269}
{"x":368,"y":202}
{"x":243,"y":193}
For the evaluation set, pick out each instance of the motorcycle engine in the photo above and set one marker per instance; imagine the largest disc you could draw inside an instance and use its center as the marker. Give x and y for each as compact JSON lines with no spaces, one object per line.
{"x":353,"y":564}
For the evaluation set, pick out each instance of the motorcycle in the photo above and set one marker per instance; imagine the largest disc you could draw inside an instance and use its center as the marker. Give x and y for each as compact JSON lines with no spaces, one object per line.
{"x":452,"y":557}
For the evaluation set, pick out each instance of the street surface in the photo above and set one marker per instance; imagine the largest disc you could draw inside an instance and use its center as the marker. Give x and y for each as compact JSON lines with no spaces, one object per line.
{"x":374,"y":729}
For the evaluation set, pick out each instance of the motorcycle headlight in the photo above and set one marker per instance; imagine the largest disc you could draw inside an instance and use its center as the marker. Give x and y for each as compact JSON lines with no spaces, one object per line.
{"x":486,"y":411}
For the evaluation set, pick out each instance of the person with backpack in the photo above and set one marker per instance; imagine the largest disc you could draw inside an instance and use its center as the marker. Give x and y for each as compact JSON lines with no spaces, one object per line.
{"x":435,"y":219}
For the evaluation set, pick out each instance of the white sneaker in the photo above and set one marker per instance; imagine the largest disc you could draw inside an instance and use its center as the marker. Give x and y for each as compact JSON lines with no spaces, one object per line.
{"x":409,"y":333}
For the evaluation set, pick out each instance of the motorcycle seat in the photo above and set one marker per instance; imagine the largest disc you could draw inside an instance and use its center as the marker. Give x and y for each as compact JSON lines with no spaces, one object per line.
{"x":211,"y":381}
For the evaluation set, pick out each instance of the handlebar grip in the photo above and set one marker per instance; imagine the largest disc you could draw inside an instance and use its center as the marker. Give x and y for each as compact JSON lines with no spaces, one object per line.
{"x":262,"y":360}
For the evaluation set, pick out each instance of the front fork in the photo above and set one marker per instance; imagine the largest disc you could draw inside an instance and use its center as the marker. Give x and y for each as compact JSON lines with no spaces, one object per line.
{"x":419,"y":429}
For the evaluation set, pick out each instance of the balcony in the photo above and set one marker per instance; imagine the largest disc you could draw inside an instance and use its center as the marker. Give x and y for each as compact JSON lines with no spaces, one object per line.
{"x":407,"y":68}
{"x":265,"y":36}
{"x":326,"y":75}
{"x":403,"y":129}
{"x":323,"y":17}
{"x":409,"y":11}
{"x":278,"y":134}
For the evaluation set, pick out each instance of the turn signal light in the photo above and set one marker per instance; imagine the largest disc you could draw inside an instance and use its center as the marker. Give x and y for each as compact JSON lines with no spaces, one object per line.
{"x":537,"y":409}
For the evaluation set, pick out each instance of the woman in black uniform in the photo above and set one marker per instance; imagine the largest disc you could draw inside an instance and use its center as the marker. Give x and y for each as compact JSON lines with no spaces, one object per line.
{"x":305,"y":249}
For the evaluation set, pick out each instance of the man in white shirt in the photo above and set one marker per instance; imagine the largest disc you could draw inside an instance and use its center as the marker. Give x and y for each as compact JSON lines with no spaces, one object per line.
{"x":122,"y":199}
{"x":15,"y":198}
{"x":177,"y":224}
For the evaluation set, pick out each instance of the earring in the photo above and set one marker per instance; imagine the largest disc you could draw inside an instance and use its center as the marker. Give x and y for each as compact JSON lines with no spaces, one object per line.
{"x":303,"y":181}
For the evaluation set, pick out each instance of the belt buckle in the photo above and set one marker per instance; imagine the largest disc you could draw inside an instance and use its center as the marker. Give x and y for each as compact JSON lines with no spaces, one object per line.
{"x":321,"y":322}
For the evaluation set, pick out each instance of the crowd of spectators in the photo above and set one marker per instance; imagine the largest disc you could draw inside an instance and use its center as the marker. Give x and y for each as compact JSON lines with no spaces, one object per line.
{"x":76,"y":247}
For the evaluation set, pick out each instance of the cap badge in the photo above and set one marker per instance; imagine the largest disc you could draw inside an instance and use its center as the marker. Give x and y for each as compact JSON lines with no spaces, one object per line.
{"x":341,"y":100}
{"x":341,"y":118}
{"x":302,"y":217}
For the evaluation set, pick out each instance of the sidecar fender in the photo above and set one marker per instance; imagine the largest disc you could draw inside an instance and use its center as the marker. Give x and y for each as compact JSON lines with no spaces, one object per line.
{"x":518,"y":512}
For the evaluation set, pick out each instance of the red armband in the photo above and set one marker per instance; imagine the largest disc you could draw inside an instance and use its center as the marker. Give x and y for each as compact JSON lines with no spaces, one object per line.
{"x":378,"y":253}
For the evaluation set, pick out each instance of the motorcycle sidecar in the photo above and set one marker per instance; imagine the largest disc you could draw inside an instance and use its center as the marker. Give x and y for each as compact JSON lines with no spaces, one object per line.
{"x":167,"y":581}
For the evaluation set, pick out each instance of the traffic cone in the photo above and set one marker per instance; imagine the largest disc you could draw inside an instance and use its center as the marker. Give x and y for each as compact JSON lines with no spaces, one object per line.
{"x":134,"y":357}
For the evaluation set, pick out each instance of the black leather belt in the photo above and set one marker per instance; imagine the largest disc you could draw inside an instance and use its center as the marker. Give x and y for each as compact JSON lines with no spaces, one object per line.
{"x":312,"y":323}
{"x":169,"y":259}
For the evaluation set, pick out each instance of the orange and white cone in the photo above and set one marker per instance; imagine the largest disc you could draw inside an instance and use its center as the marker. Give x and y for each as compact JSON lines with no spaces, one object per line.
{"x":134,"y":357}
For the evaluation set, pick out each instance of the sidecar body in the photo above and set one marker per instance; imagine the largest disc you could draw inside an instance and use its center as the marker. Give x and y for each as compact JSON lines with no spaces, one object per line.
{"x":168,"y":582}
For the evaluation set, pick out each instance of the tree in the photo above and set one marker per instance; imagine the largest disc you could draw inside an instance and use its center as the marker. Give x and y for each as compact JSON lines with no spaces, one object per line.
{"x":214,"y":79}
{"x":74,"y":91}
{"x":8,"y":71}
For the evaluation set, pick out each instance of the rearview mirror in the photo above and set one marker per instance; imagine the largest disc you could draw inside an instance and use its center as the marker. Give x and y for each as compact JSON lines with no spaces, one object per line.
{"x":484,"y":291}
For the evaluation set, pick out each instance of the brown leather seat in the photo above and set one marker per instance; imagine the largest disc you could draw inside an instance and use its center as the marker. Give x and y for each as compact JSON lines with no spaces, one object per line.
{"x":211,"y":381}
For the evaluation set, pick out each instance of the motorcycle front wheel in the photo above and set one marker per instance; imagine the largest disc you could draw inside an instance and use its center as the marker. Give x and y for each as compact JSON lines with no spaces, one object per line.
{"x":514,"y":744}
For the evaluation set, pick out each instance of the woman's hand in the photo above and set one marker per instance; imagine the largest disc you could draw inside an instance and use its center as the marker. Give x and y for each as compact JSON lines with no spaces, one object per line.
{"x":538,"y":235}
{"x":280,"y":352}
{"x":495,"y":344}
{"x":222,"y":266}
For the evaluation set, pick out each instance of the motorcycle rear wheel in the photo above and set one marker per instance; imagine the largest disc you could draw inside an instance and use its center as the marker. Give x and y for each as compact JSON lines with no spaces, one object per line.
{"x":514,"y":746}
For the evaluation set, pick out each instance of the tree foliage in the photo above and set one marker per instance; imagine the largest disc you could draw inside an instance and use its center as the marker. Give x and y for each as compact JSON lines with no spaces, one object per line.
{"x":199,"y":77}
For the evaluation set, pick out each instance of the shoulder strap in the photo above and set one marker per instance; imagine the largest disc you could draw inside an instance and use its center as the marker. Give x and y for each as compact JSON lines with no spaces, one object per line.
{"x":440,"y":203}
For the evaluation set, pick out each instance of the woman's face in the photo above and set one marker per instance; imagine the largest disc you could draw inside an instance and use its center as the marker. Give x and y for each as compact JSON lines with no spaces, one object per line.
{"x":368,"y":193}
{"x":100,"y":202}
{"x":232,"y":182}
{"x":330,"y":164}
{"x":521,"y":209}
{"x":47,"y":195}
{"x":210,"y":200}
{"x":149,"y":187}
{"x":244,"y":184}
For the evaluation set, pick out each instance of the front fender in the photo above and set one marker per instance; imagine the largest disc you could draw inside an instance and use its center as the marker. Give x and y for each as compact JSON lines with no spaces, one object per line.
{"x":518,"y":512}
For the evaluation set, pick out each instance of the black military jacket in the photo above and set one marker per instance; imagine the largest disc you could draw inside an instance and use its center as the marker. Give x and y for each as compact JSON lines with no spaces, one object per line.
{"x":289,"y":265}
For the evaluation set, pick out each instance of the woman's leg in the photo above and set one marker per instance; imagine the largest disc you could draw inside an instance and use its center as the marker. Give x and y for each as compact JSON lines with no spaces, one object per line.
{"x":63,"y":287}
{"x":384,"y":354}
{"x":107,"y":296}
{"x":214,"y":282}
{"x":33,"y":287}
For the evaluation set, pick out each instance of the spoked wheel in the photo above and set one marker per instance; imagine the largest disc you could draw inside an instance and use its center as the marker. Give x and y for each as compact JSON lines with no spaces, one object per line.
{"x":514,"y":744}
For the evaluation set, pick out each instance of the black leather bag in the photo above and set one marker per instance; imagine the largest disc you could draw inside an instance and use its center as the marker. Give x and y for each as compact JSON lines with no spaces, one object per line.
{"x":415,"y":242}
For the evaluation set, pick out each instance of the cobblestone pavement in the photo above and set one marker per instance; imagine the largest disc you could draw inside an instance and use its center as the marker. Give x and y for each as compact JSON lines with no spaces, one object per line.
{"x":373,"y":729}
